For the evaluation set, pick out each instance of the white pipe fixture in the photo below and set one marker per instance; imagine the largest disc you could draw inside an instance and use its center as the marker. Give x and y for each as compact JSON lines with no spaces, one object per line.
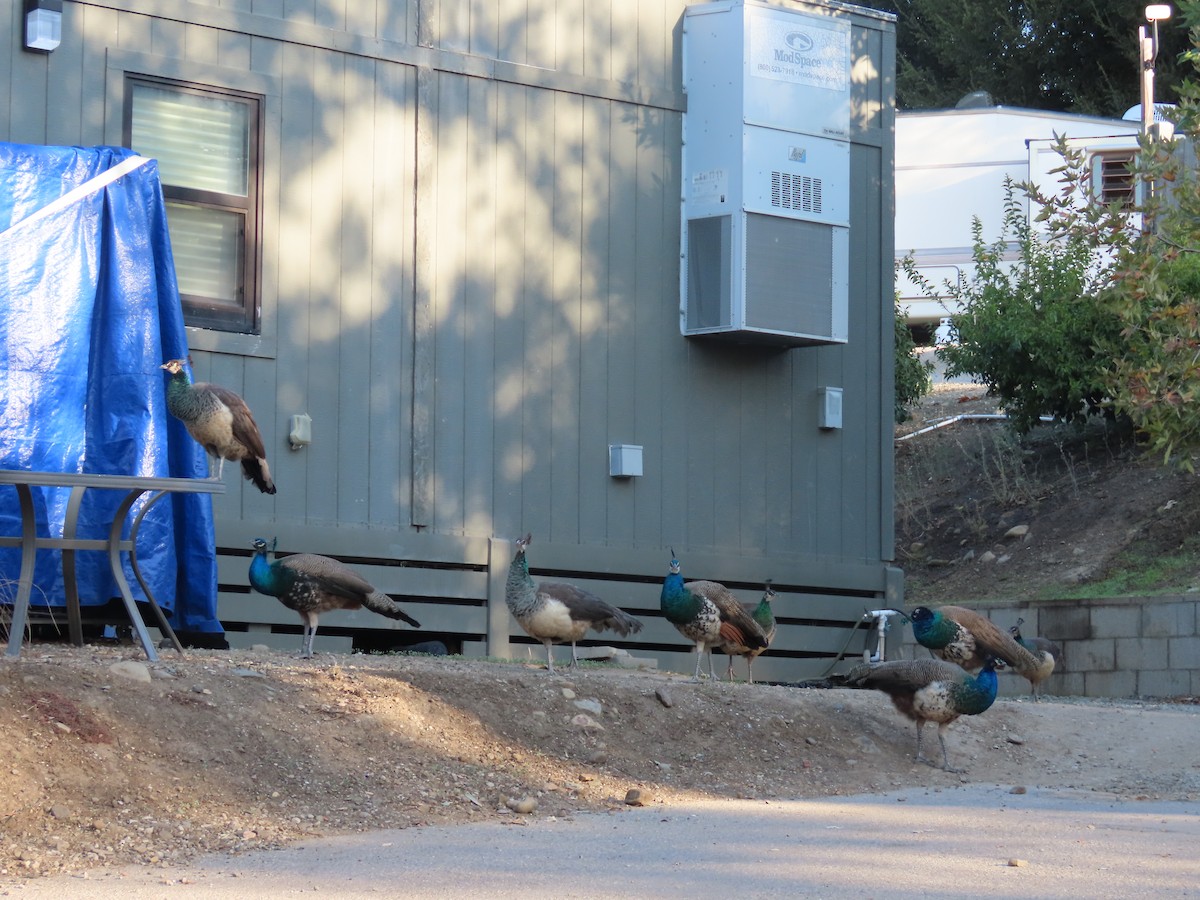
{"x":300,"y":431}
{"x":624,"y":460}
{"x":43,"y":25}
{"x":829,"y":409}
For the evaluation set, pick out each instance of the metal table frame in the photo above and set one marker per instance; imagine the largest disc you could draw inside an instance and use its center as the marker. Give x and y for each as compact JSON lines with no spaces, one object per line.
{"x":70,"y":543}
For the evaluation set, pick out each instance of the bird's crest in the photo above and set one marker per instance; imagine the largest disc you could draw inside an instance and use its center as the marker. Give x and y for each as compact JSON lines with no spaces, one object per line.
{"x":920,"y":614}
{"x":675,"y":568}
{"x":175,"y":366}
{"x":260,"y":545}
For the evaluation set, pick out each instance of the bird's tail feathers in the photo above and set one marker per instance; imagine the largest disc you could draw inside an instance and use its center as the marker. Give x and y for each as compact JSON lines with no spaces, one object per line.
{"x":623,"y":623}
{"x":257,"y":471}
{"x":379,"y":602}
{"x":753,"y":638}
{"x":1019,"y":659}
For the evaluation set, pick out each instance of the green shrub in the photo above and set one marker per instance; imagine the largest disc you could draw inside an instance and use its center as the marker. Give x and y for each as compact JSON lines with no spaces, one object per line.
{"x":913,"y":379}
{"x":1029,"y":327}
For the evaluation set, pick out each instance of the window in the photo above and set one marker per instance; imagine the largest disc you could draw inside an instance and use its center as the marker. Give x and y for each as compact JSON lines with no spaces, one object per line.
{"x":1112,"y":179}
{"x":206,"y":141}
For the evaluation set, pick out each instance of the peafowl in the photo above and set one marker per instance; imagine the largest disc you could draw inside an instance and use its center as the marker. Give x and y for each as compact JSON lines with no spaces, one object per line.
{"x":553,"y":612}
{"x":761,"y":613}
{"x":221,"y":423}
{"x":708,"y":614}
{"x":963,"y":636}
{"x":312,"y":584}
{"x":930,"y":690}
{"x":1051,"y":656}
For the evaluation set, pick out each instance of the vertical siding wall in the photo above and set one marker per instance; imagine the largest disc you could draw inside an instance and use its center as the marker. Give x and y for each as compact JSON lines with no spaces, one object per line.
{"x":470,"y":283}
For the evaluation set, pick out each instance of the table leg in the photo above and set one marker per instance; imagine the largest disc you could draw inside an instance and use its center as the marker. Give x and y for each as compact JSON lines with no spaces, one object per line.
{"x":163,"y":624}
{"x":16,"y":628}
{"x":114,"y":561}
{"x":70,"y":583}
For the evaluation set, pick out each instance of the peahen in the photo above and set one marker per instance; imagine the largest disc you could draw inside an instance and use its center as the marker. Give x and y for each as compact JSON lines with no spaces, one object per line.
{"x":312,"y":584}
{"x":1051,"y":657}
{"x":761,"y":613}
{"x":708,"y":614}
{"x":554,"y":612}
{"x":221,"y":423}
{"x":930,"y":690}
{"x":963,"y":636}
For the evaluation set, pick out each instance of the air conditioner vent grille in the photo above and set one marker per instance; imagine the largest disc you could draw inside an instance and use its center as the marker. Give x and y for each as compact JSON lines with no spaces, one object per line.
{"x":798,"y":192}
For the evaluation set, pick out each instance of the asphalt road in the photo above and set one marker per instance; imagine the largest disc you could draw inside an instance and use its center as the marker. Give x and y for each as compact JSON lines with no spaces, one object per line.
{"x":969,"y":842}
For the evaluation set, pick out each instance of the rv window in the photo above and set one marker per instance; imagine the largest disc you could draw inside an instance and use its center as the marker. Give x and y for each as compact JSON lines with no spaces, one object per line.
{"x":1113,"y":181}
{"x":206,"y":141}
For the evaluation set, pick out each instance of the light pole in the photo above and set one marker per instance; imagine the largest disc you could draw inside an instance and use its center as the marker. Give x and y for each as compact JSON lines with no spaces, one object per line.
{"x":1148,"y":52}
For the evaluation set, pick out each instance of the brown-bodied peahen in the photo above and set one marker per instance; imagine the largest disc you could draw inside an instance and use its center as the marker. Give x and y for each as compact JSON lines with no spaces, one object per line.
{"x":555,"y":612}
{"x":963,"y":636}
{"x":221,"y":423}
{"x":708,"y":614}
{"x":761,"y":613}
{"x":1051,"y":657}
{"x":312,"y":584}
{"x":930,"y":690}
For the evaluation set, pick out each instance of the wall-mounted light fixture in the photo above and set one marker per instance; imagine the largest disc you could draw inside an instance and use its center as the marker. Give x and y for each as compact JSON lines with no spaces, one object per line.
{"x":43,"y":25}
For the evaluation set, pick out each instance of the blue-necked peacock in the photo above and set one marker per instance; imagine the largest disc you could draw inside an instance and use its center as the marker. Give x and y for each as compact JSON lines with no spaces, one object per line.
{"x":312,"y":584}
{"x":930,"y":690}
{"x":708,"y":614}
{"x":963,"y":636}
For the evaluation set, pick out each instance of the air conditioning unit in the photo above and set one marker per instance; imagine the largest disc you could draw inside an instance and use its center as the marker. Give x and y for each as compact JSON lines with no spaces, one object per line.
{"x":766,"y":174}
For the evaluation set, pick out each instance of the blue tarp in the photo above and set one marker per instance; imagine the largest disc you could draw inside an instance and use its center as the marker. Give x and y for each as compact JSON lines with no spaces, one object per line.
{"x":89,"y":310}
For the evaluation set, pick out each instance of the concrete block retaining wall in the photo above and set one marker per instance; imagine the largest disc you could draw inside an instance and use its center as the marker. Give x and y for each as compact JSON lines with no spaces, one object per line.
{"x":1127,"y":647}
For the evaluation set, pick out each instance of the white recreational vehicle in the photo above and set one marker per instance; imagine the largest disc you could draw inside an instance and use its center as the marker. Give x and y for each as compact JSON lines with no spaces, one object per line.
{"x":950,"y":169}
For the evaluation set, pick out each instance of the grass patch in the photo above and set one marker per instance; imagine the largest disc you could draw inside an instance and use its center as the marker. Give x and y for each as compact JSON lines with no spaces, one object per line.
{"x":1143,"y":571}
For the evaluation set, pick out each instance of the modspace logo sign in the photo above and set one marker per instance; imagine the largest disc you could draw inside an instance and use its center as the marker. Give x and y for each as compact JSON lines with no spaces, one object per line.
{"x":799,"y":41}
{"x":799,"y":50}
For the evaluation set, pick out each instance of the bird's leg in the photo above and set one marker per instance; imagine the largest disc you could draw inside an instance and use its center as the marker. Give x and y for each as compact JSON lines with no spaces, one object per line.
{"x":574,"y":657}
{"x":550,"y":659}
{"x":920,"y":757}
{"x":310,"y":632}
{"x":711,"y":673}
{"x":729,"y":671}
{"x":220,"y":467}
{"x":699,"y":658}
{"x":750,"y":669}
{"x":945,"y":757}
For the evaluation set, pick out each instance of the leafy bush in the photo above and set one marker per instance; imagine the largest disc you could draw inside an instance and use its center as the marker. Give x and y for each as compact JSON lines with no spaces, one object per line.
{"x":1030,"y":328}
{"x":913,"y":379}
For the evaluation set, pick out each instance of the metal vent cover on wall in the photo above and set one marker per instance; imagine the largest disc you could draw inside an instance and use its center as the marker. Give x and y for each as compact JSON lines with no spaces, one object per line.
{"x":796,"y":192}
{"x":792,"y":275}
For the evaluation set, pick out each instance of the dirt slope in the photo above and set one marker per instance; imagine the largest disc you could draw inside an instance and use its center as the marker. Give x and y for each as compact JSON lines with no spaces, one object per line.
{"x":246,"y":750}
{"x":1094,"y":506}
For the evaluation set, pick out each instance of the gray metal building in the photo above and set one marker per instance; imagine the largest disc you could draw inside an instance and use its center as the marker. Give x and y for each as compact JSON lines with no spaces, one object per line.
{"x":459,"y":255}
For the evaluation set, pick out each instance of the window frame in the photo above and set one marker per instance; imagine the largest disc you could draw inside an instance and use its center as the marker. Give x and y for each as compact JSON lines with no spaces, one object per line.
{"x":202,"y":312}
{"x":1102,"y":162}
